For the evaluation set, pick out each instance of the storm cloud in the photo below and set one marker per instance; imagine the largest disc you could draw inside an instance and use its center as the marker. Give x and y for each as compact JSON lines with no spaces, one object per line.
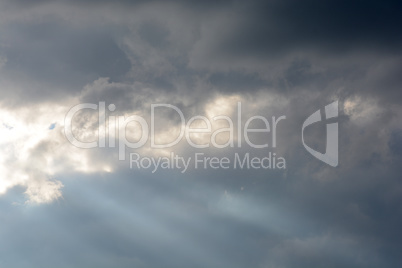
{"x":64,"y":206}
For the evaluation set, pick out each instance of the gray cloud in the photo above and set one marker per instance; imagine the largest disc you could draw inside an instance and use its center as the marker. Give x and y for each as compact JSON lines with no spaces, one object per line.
{"x":278,"y":57}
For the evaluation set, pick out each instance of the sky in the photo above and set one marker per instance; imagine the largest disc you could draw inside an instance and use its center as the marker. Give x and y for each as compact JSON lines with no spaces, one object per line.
{"x":64,"y":206}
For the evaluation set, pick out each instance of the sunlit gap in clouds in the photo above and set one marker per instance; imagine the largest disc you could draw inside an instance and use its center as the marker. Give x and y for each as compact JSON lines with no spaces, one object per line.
{"x":33,"y":154}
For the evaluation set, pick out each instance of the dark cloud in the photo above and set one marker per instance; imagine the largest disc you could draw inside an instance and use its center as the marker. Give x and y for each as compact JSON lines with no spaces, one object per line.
{"x":273,"y":28}
{"x":59,"y":57}
{"x":279,"y":58}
